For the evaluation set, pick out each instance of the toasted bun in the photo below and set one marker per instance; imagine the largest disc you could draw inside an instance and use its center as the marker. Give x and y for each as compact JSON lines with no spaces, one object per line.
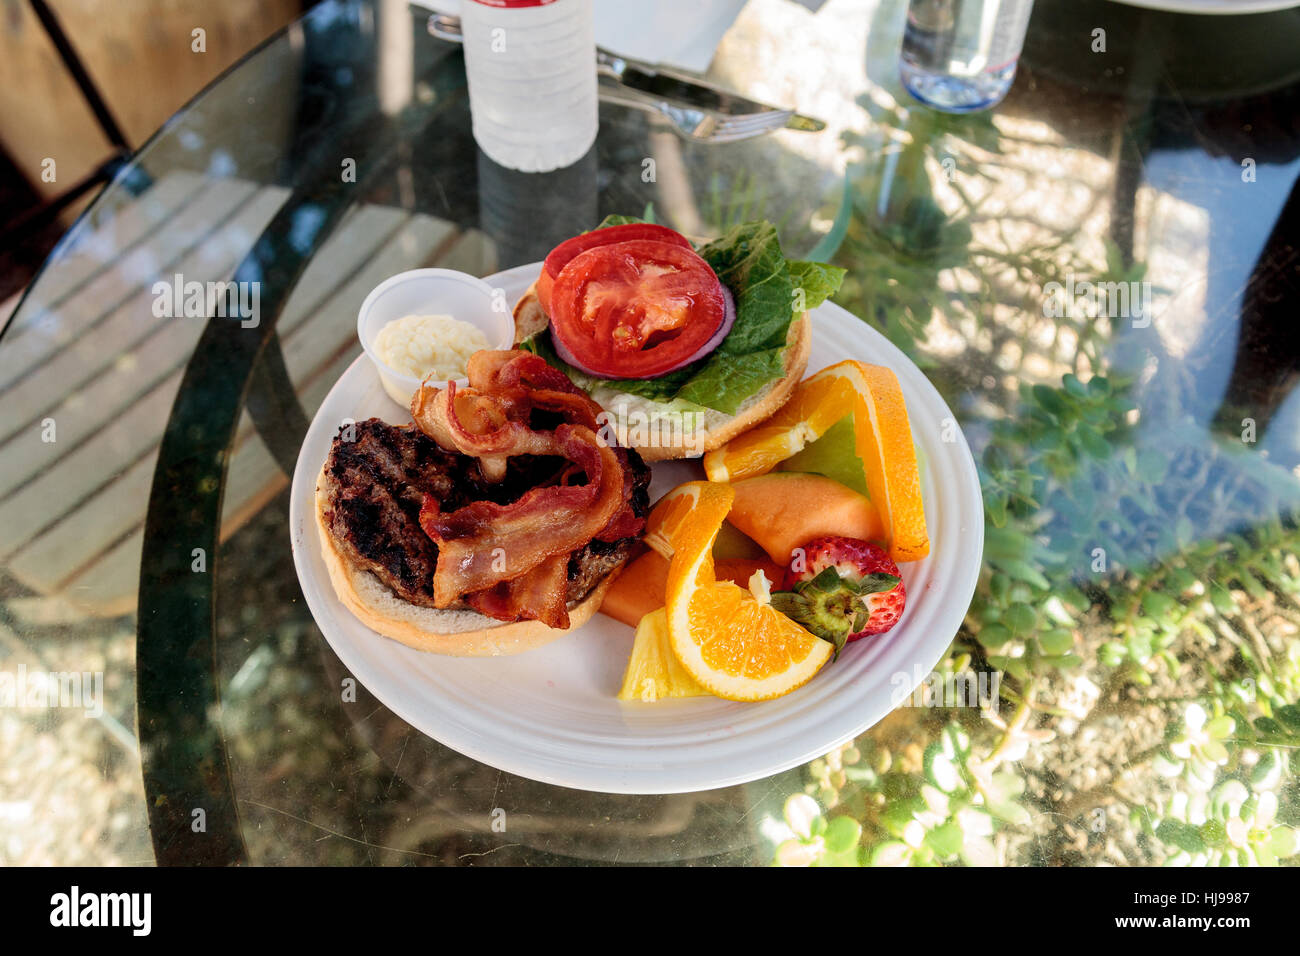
{"x":459,"y":633}
{"x":715,"y":428}
{"x":530,"y":317}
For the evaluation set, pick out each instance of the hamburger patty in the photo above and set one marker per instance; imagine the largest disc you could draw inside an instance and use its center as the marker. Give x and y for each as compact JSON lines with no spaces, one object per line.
{"x":374,"y":485}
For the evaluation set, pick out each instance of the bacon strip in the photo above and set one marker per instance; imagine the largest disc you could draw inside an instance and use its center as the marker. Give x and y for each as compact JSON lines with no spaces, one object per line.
{"x":484,"y":543}
{"x":477,"y":425}
{"x":511,"y":561}
{"x":528,"y":380}
{"x":538,"y":594}
{"x":490,"y":419}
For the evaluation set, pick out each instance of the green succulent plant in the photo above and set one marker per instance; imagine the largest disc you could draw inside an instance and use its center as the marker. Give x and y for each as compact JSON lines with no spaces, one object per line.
{"x":1122,"y":541}
{"x":1229,"y":825}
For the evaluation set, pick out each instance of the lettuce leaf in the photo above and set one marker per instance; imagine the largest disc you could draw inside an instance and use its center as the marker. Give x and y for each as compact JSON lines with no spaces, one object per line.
{"x":725,"y":381}
{"x":748,"y":260}
{"x":616,"y":220}
{"x":768,"y":290}
{"x":818,"y":281}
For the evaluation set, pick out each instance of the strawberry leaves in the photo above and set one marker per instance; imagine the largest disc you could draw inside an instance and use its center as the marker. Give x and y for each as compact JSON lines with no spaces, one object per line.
{"x":831,"y":606}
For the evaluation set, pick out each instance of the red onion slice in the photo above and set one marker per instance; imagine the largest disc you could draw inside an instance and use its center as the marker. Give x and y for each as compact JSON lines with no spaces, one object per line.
{"x":565,"y":355}
{"x":728,"y":320}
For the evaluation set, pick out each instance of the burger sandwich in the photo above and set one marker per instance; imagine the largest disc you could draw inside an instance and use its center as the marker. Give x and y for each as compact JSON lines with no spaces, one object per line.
{"x":491,"y":524}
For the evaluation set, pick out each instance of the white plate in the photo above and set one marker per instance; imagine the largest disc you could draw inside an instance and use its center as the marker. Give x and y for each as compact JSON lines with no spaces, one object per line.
{"x":551,"y":714}
{"x":1213,"y":6}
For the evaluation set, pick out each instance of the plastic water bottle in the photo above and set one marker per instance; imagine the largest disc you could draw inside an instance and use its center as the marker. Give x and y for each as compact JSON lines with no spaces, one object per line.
{"x":531,"y":66}
{"x":960,"y":55}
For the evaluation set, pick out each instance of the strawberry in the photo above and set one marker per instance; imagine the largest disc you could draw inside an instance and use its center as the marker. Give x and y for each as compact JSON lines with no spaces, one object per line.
{"x":842,"y":589}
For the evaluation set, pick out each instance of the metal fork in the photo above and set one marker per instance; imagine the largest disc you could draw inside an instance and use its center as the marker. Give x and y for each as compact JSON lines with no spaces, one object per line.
{"x":700,"y":125}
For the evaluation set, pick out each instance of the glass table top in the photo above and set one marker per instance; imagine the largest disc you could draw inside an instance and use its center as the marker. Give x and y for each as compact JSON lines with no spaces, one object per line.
{"x":1100,"y":276}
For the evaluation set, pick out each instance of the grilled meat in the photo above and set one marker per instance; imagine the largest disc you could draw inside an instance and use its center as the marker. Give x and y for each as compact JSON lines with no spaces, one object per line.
{"x":375,"y":484}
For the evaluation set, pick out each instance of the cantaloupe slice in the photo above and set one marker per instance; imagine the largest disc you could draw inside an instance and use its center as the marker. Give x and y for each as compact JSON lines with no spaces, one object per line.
{"x":783,"y":510}
{"x":882,"y":443}
{"x":638,"y":590}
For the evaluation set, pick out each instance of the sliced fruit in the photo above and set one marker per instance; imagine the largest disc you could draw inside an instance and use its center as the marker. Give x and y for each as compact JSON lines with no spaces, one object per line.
{"x":728,"y":638}
{"x":883,"y":441}
{"x":834,"y":455}
{"x":640,"y":588}
{"x":842,"y":589}
{"x":816,"y":404}
{"x":653,"y":673}
{"x":741,"y":570}
{"x":783,"y":509}
{"x":677,"y":509}
{"x":889,"y":458}
{"x":733,"y":543}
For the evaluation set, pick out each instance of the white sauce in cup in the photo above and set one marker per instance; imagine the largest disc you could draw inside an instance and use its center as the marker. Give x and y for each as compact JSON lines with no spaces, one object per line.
{"x":437,"y":347}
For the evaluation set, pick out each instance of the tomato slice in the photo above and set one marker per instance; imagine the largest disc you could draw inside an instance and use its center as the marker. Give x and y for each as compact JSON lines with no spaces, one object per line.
{"x":635,"y":309}
{"x":562,"y":254}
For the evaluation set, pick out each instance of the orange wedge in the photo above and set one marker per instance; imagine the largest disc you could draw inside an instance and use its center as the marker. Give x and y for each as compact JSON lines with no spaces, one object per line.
{"x":684,"y":507}
{"x":883,"y":437}
{"x":884,"y":443}
{"x":730,"y":639}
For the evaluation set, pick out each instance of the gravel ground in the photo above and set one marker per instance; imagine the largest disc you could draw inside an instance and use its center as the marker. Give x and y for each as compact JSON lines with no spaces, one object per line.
{"x":71,"y":791}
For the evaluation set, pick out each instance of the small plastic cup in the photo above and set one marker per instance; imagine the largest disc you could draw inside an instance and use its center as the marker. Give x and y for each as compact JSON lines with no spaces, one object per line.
{"x":431,"y":292}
